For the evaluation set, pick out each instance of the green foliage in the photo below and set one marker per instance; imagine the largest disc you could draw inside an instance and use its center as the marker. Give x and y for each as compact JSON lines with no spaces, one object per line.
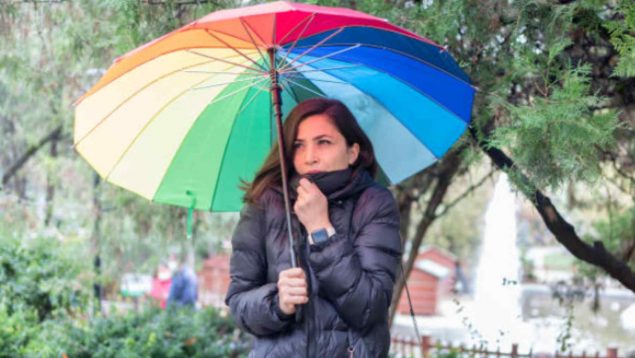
{"x":17,"y":330}
{"x":155,"y":333}
{"x":40,"y":282}
{"x":559,"y":137}
{"x":43,"y":303}
{"x":622,"y":32}
{"x":452,"y":353}
{"x":41,"y":276}
{"x":616,"y":232}
{"x":151,"y":333}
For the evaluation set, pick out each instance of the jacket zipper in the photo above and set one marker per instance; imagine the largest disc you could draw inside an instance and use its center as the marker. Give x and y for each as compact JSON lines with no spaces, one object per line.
{"x":309,"y":307}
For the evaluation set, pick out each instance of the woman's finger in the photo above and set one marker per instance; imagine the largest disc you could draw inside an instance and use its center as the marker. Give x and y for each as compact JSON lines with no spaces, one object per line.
{"x":296,"y":272}
{"x":304,"y":190}
{"x":292,"y":272}
{"x":293,"y":282}
{"x":295,"y":300}
{"x":291,"y":277}
{"x":284,"y":289}
{"x":294,"y":291}
{"x":305,"y":184}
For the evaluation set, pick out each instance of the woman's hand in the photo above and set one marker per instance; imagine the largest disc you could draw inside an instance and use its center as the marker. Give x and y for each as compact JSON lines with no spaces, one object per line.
{"x":311,"y":206}
{"x":292,"y":290}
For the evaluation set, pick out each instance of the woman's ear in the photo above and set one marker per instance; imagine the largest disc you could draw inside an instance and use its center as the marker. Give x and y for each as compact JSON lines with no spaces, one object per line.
{"x":353,"y":153}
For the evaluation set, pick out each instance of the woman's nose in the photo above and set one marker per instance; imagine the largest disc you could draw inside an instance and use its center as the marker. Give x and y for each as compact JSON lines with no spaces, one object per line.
{"x":310,"y":155}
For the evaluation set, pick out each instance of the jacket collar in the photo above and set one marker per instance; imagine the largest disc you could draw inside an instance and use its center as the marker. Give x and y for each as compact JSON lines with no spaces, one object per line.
{"x":358,"y":182}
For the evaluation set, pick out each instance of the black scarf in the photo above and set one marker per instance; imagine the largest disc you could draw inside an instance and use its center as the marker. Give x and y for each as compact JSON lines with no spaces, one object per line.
{"x":327,"y":182}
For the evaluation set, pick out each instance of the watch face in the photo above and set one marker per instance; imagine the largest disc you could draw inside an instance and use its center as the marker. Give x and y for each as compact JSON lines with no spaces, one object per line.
{"x":319,"y":235}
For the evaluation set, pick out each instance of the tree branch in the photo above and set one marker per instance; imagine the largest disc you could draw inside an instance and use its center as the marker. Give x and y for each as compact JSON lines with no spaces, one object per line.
{"x":564,"y":232}
{"x":465,"y":194}
{"x":446,"y":171}
{"x":628,"y":252}
{"x":13,"y":169}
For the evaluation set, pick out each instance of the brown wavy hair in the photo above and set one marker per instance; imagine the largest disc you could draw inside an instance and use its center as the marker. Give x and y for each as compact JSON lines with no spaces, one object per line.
{"x":269,"y":174}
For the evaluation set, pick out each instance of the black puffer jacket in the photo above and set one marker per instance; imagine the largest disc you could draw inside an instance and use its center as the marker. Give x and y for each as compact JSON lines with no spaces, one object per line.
{"x":351,"y":275}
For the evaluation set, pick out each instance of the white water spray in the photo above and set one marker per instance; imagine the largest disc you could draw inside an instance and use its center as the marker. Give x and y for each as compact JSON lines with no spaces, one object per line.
{"x":497,"y":313}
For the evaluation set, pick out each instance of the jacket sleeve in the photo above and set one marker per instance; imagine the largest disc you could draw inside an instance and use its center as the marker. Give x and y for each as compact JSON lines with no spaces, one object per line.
{"x":252,"y":300}
{"x":357,"y":274}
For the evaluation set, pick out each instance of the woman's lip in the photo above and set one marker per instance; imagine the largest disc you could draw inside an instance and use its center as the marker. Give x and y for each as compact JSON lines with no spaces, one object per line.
{"x":313,"y":172}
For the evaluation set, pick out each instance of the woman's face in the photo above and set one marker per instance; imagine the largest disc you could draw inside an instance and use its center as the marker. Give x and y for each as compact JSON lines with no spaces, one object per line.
{"x":320,"y":147}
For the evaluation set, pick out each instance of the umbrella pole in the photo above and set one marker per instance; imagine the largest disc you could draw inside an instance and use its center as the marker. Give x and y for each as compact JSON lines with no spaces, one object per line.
{"x":277,"y":104}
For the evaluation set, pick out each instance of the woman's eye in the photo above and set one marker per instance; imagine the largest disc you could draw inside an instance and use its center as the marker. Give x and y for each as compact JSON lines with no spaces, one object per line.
{"x":297,"y":145}
{"x":324,"y":141}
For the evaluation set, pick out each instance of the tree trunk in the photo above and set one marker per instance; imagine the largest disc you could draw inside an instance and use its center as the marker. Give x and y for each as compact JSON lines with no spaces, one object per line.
{"x":50,"y":185}
{"x":13,"y":169}
{"x":445,"y":172}
{"x":96,"y":247}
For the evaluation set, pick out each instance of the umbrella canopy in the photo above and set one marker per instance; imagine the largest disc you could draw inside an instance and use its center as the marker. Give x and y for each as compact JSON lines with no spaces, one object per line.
{"x":182,"y":119}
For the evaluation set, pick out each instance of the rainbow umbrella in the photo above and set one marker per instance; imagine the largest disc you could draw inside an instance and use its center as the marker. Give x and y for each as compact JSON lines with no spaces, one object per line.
{"x":182,"y":119}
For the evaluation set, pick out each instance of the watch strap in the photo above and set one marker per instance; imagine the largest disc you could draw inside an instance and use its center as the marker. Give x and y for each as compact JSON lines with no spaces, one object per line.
{"x":321,"y":234}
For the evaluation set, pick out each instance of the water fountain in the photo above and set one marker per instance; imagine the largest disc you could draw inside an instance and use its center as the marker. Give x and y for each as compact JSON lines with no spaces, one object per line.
{"x":494,"y":315}
{"x":496,"y":311}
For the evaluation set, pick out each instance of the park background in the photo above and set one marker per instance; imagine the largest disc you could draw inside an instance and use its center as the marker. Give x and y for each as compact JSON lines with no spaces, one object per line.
{"x":554,"y":111}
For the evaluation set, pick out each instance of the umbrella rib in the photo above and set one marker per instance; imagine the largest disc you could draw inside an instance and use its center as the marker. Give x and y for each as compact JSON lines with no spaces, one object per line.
{"x":245,"y":73}
{"x":285,"y":67}
{"x":248,"y":27}
{"x":243,"y":106}
{"x":324,"y":57}
{"x":230,"y":35}
{"x":291,"y":90}
{"x":300,"y":85}
{"x":77,"y":143}
{"x":327,"y":81}
{"x":408,"y":34}
{"x":299,"y":36}
{"x":415,"y":58}
{"x":295,"y":74}
{"x":134,"y":140}
{"x":225,"y":61}
{"x":209,"y":32}
{"x":275,"y":28}
{"x":322,"y":69}
{"x":245,"y":26}
{"x":247,"y":103}
{"x":409,"y":85}
{"x":222,"y":161}
{"x":310,"y":18}
{"x":379,"y":102}
{"x":238,"y":90}
{"x":222,"y":84}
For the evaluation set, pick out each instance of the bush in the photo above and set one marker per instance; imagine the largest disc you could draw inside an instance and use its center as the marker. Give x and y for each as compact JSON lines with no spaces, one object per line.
{"x":43,"y":309}
{"x":40,"y":275}
{"x":157,"y":333}
{"x":16,"y":331}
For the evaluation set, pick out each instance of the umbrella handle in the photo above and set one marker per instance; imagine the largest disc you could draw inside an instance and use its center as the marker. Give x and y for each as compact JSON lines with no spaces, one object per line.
{"x":277,"y":104}
{"x":190,"y":215}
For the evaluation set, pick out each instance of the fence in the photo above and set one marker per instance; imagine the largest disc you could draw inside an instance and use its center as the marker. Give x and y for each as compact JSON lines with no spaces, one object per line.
{"x":408,"y":346}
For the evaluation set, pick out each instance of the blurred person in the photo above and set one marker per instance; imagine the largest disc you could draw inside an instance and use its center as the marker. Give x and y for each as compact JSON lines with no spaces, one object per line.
{"x":161,"y":285}
{"x":184,"y":288}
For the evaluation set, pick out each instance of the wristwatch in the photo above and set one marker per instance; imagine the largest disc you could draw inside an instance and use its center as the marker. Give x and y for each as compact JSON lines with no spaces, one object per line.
{"x":322,"y":234}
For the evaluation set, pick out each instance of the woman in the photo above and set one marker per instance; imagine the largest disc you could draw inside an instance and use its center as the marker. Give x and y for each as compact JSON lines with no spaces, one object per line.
{"x":348,"y":244}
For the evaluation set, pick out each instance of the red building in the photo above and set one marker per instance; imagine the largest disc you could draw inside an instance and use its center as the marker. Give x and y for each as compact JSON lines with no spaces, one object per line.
{"x":431,"y":279}
{"x":214,"y":281}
